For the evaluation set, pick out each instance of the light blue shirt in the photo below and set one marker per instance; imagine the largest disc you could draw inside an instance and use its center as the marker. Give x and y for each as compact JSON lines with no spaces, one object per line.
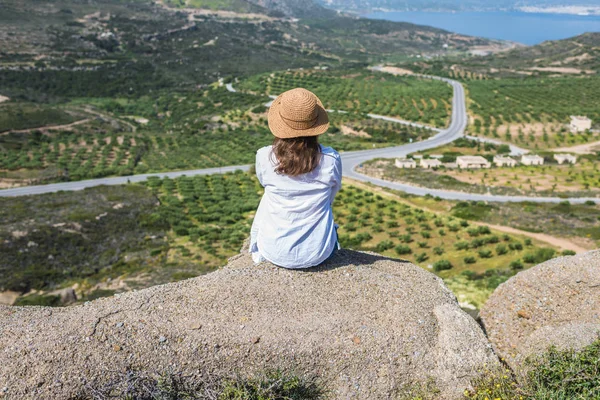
{"x":293,"y":227}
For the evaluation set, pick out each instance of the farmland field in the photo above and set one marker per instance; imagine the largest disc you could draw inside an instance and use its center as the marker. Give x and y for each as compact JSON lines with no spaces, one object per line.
{"x":533,"y":112}
{"x":409,"y":98}
{"x":201,"y":129}
{"x":174,"y":229}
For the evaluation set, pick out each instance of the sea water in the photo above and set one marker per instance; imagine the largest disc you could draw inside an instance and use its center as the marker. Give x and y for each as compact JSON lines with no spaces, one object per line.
{"x":521,"y":27}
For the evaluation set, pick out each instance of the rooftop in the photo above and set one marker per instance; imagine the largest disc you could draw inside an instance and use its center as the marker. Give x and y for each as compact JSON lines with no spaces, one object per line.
{"x":580,"y":118}
{"x":472,"y":159}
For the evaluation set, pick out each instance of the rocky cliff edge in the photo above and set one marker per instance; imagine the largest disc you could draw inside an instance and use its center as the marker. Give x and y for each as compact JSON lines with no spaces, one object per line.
{"x":365,"y":325}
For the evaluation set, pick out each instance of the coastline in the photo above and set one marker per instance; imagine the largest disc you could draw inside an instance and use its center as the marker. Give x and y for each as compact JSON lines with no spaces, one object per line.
{"x":580,"y":11}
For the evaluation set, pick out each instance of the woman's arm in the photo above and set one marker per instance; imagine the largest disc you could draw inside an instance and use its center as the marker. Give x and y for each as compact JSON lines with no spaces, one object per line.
{"x":258,"y":169}
{"x":337,"y":177}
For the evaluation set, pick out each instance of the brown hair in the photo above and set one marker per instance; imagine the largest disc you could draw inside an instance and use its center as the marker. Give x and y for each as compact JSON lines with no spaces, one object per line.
{"x":296,"y":156}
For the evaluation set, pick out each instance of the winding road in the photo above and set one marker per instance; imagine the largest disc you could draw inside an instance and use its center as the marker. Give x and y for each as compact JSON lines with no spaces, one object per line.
{"x":350,"y":161}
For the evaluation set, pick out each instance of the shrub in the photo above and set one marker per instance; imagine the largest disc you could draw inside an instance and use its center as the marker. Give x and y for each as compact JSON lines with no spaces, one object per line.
{"x":421,"y":257}
{"x":406,"y":238}
{"x":376,"y":228}
{"x":484,"y":230}
{"x":470,"y":260}
{"x":477,"y":243}
{"x":438,"y":250}
{"x":516,"y":265}
{"x":422,"y":245}
{"x":180,"y":231}
{"x":385,"y":245}
{"x":442,"y":265}
{"x":473,"y":232}
{"x":568,"y":253}
{"x":491,"y":239}
{"x":485,"y":253}
{"x":392,"y":224}
{"x":501,"y":249}
{"x":527,"y":242}
{"x":515,"y":246}
{"x":556,"y":374}
{"x":453,"y":228}
{"x":462,"y":245}
{"x":402,"y":249}
{"x":426,"y":235}
{"x":442,"y":232}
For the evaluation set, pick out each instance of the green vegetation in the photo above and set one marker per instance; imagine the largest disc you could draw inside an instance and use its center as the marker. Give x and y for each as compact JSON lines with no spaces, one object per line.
{"x":26,"y":115}
{"x":179,"y":228}
{"x":465,"y":256}
{"x":507,"y":101}
{"x":409,"y":98}
{"x":270,"y":385}
{"x":239,"y":6}
{"x":576,"y":56}
{"x":556,"y":375}
{"x":201,"y":129}
{"x":54,"y":240}
{"x":210,"y":216}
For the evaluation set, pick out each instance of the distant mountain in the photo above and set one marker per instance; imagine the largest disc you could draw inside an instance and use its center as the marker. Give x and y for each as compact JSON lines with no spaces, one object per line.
{"x":450,"y":5}
{"x":576,"y":56}
{"x":580,"y":53}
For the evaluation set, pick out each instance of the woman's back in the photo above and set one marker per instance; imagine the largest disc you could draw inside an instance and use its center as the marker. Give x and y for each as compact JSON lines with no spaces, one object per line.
{"x":293,"y":226}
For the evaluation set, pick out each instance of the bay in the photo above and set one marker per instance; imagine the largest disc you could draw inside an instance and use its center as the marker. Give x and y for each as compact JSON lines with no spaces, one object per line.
{"x":521,"y":27}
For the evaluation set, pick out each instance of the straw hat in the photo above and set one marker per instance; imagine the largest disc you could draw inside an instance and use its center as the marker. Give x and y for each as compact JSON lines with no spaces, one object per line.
{"x":297,"y":113}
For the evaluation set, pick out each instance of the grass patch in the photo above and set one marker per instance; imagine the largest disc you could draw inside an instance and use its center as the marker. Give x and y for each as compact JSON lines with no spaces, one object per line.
{"x":270,"y":385}
{"x":555,"y":375}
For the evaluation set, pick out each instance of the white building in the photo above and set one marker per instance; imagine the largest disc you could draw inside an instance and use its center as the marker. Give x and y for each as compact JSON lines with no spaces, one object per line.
{"x":580,"y":124}
{"x":406,"y":163}
{"x":430,"y":163}
{"x":532,"y":159}
{"x":472,"y":162}
{"x":565,"y":158}
{"x":503,"y":161}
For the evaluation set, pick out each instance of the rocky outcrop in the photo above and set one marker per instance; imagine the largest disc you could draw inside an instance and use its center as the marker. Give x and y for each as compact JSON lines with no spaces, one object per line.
{"x":555,"y":303}
{"x":366,"y":325}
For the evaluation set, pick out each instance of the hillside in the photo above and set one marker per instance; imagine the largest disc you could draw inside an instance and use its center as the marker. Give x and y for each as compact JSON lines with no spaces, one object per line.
{"x":289,"y":8}
{"x":451,"y":5}
{"x":577,"y":55}
{"x":135,"y":47}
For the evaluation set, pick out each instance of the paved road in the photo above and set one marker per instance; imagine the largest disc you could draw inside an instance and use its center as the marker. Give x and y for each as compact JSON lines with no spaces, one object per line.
{"x":350,"y":161}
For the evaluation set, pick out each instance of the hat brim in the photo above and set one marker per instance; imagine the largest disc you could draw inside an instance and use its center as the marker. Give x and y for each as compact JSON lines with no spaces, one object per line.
{"x":281,"y":130}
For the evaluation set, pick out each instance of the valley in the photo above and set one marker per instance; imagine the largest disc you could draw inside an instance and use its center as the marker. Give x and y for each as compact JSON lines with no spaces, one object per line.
{"x":168,"y":111}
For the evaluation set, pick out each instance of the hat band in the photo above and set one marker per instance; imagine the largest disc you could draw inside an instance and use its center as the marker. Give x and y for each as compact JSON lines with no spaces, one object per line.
{"x":300,"y":125}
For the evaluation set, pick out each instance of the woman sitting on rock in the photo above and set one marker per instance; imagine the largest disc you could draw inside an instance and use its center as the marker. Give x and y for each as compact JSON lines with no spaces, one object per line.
{"x":293,"y":227}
